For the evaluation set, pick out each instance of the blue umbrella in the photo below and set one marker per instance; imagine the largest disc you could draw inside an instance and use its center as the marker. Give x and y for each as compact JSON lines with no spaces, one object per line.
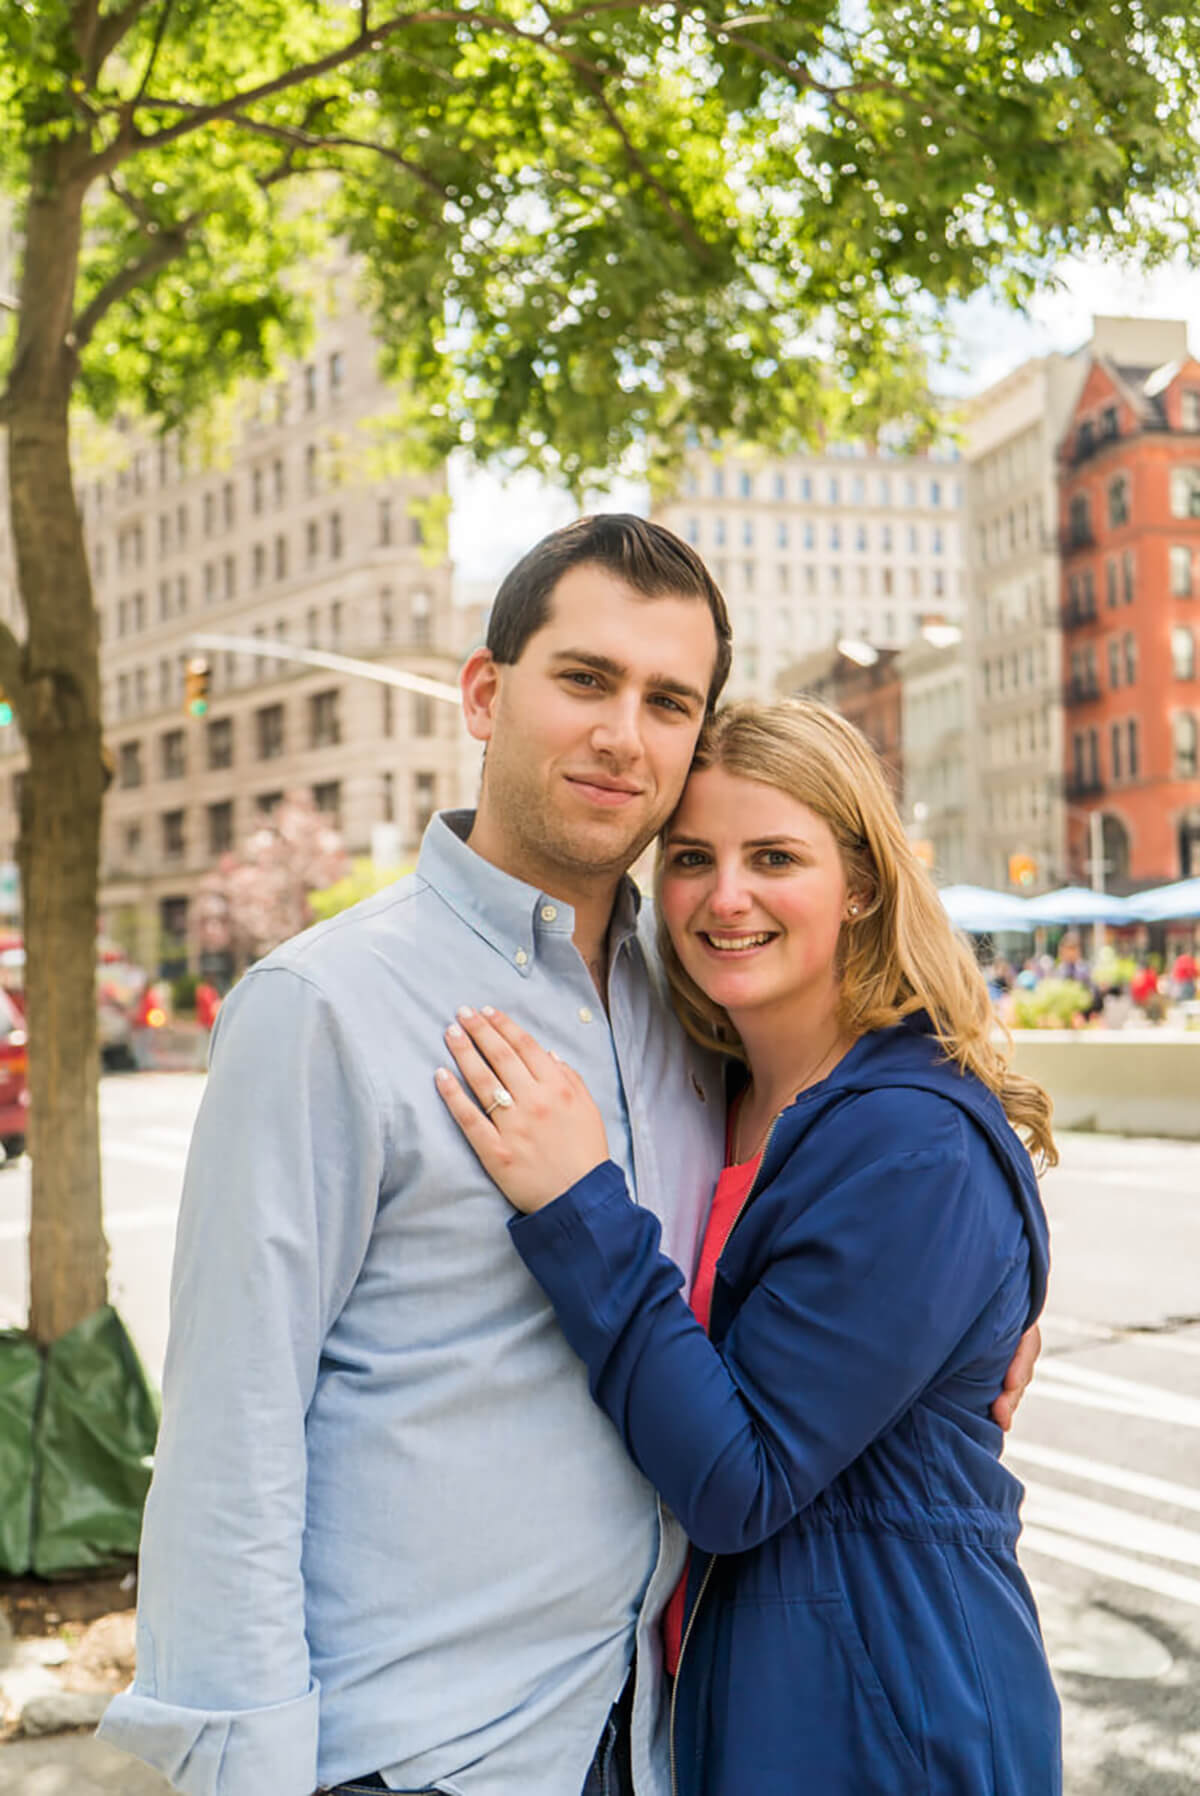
{"x":1080,"y":904}
{"x":1164,"y":903}
{"x":979,"y":911}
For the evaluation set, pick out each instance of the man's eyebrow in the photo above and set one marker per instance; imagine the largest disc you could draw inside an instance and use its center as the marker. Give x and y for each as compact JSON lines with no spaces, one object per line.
{"x":617,"y":670}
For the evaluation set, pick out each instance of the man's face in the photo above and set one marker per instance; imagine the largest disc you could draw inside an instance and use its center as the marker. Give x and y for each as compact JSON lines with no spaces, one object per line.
{"x":591,"y":732}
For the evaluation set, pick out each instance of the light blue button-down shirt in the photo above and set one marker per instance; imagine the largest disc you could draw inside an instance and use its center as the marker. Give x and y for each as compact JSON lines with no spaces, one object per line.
{"x":388,"y":1528}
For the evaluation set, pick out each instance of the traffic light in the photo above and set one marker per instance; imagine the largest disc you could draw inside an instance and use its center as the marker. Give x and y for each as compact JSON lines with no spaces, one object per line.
{"x":1022,"y":869}
{"x":195,"y":686}
{"x":6,"y":712}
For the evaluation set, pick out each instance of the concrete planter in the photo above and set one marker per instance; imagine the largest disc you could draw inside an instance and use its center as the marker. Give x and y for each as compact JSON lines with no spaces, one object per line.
{"x":1119,"y":1082}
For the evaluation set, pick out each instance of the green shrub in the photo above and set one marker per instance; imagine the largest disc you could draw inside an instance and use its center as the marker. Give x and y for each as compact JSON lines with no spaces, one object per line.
{"x":183,"y":994}
{"x":1054,"y":1004}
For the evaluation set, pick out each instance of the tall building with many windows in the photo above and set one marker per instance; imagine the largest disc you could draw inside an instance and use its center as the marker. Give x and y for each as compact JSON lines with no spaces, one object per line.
{"x":812,"y":549}
{"x":289,"y":532}
{"x":1014,"y":641}
{"x":1129,"y":514}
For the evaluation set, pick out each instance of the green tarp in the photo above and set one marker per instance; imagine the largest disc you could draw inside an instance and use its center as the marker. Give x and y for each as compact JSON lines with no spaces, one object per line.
{"x":78,"y":1422}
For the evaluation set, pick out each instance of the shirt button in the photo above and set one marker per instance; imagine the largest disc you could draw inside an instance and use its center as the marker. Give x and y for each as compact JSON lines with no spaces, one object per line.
{"x":585,"y":1015}
{"x":520,"y":957}
{"x":549,"y":912}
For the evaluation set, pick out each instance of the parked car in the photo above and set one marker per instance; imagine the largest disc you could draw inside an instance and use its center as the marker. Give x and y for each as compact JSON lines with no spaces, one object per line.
{"x":14,"y":1089}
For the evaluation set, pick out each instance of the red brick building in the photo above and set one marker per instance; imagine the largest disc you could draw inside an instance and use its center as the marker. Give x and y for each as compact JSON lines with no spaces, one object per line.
{"x":867,"y":692}
{"x":1129,"y":492}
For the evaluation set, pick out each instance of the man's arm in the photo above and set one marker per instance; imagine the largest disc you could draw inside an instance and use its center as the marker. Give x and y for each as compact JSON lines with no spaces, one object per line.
{"x":278,"y":1204}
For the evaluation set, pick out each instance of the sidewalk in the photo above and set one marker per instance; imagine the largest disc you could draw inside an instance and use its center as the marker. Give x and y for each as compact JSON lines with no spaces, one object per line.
{"x":74,"y":1765}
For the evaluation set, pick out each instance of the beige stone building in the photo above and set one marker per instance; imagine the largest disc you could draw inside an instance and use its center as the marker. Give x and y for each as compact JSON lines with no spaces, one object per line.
{"x":288,"y":531}
{"x":936,"y":803}
{"x":809,"y":549}
{"x":1013,"y":642}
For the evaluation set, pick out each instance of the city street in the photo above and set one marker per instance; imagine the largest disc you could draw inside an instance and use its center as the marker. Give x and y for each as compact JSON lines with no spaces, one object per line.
{"x":1108,"y":1442}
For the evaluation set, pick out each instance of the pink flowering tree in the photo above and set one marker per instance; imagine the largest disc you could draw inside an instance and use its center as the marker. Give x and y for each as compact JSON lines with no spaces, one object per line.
{"x":255,"y":899}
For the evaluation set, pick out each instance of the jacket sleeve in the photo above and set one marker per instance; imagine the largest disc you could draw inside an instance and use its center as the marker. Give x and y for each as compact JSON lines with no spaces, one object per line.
{"x":869,"y":1286}
{"x":278,"y":1204}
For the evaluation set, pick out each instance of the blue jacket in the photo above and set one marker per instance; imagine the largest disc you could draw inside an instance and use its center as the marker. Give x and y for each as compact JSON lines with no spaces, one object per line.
{"x":857,"y":1623}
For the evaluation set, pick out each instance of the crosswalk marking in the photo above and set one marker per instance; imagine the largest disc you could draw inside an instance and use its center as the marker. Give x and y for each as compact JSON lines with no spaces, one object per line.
{"x":1117,"y":1477}
{"x":1059,"y":1382}
{"x":1087,"y":1519}
{"x":1118,"y":1566}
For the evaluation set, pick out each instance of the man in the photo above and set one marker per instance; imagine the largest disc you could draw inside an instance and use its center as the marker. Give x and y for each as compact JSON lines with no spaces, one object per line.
{"x":391,"y":1544}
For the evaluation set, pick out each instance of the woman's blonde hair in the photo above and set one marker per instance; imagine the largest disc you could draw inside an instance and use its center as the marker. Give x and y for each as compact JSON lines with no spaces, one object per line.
{"x":900,"y":954}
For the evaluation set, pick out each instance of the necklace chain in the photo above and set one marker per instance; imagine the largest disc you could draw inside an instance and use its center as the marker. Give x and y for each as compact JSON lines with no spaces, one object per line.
{"x":809,"y":1079}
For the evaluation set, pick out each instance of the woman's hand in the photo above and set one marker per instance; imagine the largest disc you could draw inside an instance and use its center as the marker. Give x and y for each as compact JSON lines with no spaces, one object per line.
{"x":534,"y":1127}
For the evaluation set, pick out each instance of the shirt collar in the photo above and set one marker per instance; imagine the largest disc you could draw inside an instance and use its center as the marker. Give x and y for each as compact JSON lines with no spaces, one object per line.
{"x":506,"y":912}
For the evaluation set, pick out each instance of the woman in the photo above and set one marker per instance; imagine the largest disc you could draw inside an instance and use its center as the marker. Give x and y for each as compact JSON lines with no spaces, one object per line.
{"x":854,"y":1621}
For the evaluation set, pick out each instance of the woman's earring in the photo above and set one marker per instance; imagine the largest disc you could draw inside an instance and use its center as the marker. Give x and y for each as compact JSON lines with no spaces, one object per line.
{"x":853,"y":909}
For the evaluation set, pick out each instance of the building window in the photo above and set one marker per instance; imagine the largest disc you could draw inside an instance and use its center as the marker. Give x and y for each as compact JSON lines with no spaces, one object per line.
{"x":1109,"y":426}
{"x":835,"y":536}
{"x":220,"y":743}
{"x":1112,"y":582}
{"x":335,"y":623}
{"x":387,"y":615}
{"x":172,"y":755}
{"x":256,"y":491}
{"x":337,"y":372}
{"x":1130,"y":659}
{"x":745,"y":486}
{"x":1183,"y":732}
{"x":281,"y":557}
{"x":1189,"y":408}
{"x":324,"y":719}
{"x":1131,"y":737}
{"x":718,"y":483}
{"x":129,"y":765}
{"x":220,"y":827}
{"x":421,"y":618}
{"x":1185,"y":492}
{"x":258,"y":564}
{"x":1079,"y":520}
{"x":310,"y":388}
{"x":229,"y":571}
{"x":327,"y":796}
{"x":267,"y":803}
{"x":422,"y":714}
{"x":424,"y":803}
{"x":1181,"y":570}
{"x":312,"y":540}
{"x":1118,"y":501}
{"x":1183,"y":653}
{"x":385,"y":523}
{"x":131,"y":843}
{"x":269,"y":733}
{"x":719,"y":532}
{"x":1114,"y":662}
{"x":335,"y":534}
{"x":779,"y":487}
{"x":173,"y":845}
{"x":387,"y":698}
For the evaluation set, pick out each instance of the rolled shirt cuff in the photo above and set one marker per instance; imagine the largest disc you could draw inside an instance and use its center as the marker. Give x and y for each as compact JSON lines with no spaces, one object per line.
{"x":220,"y":1752}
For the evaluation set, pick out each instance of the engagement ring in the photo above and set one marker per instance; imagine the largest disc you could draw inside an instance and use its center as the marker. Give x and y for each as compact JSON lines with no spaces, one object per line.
{"x":501,"y":1100}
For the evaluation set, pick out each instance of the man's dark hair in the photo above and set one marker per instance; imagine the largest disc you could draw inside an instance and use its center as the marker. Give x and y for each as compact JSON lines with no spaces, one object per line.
{"x":648,"y":557}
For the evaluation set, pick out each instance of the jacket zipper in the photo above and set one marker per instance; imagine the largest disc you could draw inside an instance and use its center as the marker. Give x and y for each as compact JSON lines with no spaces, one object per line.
{"x":708,"y":1570}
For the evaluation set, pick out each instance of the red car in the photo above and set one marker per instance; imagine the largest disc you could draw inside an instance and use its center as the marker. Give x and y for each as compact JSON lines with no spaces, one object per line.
{"x":14,"y":1092}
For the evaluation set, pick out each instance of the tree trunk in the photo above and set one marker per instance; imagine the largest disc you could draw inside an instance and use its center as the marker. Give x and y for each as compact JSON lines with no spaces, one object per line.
{"x":57,"y":701}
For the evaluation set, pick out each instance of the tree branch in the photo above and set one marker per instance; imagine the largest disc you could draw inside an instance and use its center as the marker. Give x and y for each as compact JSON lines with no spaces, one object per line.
{"x":12,"y":665}
{"x":301,"y":139}
{"x":160,"y":32}
{"x":168,"y":245}
{"x":108,"y":31}
{"x":683,"y":224}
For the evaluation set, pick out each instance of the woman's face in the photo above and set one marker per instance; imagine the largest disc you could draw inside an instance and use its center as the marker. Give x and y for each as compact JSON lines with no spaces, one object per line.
{"x":753,"y":893}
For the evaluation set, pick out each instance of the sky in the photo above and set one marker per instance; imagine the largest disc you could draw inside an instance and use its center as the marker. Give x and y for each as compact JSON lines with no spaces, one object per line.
{"x":494,"y":521}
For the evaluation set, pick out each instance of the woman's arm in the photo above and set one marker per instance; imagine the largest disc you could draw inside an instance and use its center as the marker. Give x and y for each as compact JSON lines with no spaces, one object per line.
{"x":873,"y":1280}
